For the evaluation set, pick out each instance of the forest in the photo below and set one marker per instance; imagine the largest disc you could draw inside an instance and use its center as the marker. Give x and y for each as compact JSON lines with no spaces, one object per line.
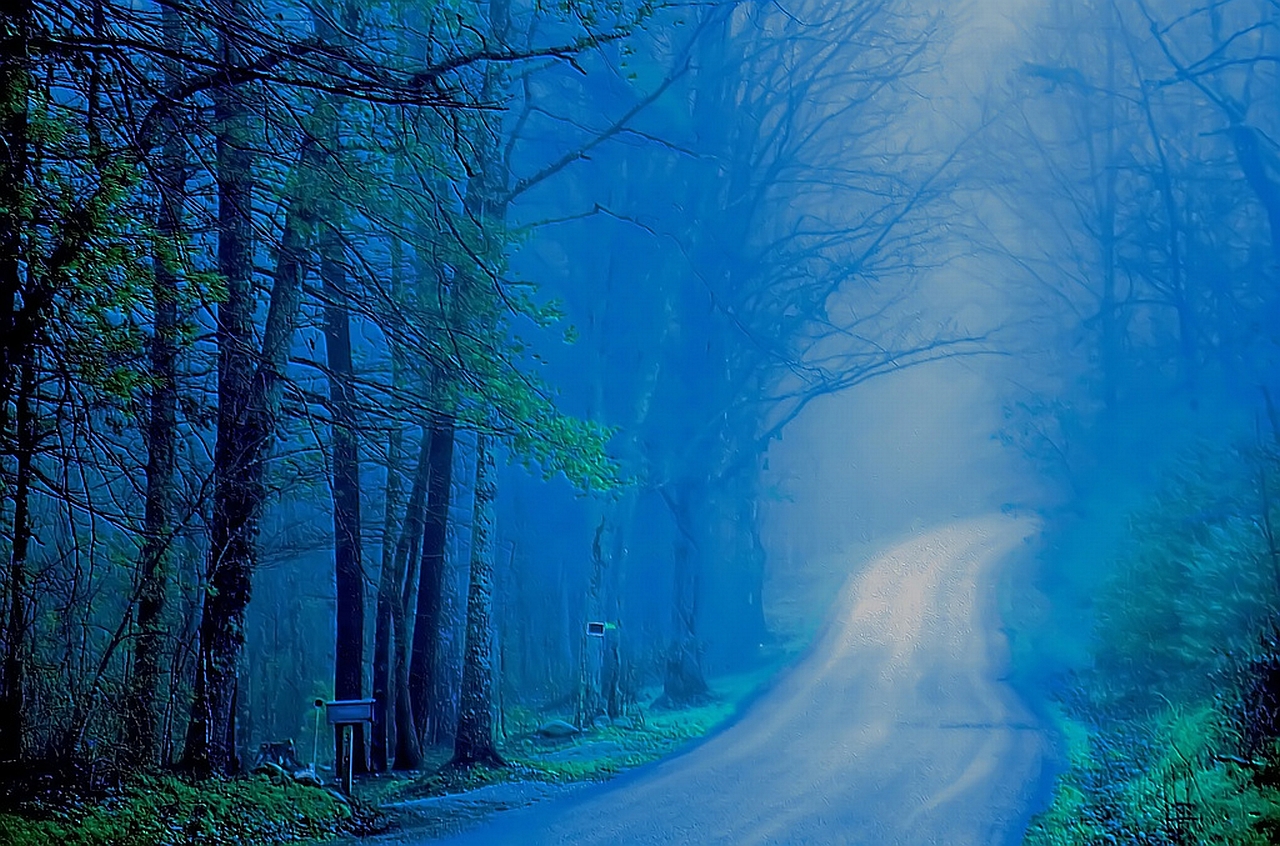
{"x":537,"y":370}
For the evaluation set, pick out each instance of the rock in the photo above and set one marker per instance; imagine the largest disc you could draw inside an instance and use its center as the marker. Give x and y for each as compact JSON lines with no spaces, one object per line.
{"x":273,"y":771}
{"x":557,"y":728}
{"x":601,"y":722}
{"x":623,"y":723}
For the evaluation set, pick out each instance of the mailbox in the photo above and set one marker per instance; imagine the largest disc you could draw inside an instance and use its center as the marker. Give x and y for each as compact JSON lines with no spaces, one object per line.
{"x":349,"y":712}
{"x":347,"y":715}
{"x":595,"y":629}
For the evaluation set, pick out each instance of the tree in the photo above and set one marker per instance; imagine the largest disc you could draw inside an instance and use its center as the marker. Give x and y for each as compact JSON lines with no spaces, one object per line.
{"x":143,"y":738}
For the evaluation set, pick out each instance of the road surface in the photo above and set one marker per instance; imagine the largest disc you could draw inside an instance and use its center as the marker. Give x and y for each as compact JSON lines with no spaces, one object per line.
{"x":895,"y":729}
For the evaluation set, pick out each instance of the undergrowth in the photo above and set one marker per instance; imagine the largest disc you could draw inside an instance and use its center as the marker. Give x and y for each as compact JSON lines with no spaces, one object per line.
{"x":596,"y":754}
{"x":1170,"y":731}
{"x":168,"y":811}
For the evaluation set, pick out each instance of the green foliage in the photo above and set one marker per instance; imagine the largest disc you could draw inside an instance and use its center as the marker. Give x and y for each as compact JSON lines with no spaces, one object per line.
{"x":163,"y":811}
{"x":1156,"y":730}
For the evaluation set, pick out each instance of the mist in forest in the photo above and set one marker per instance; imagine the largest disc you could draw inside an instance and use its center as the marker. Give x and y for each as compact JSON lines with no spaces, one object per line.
{"x":554,"y":381}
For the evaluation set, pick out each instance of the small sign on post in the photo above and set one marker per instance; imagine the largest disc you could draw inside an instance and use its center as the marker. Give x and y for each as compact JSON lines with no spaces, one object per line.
{"x":345,"y":715}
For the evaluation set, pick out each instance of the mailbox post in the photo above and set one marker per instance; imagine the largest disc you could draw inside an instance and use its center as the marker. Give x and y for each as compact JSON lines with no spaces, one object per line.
{"x":346,"y":715}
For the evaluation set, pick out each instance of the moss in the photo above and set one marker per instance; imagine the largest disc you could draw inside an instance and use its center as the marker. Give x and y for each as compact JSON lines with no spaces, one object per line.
{"x":166,"y":810}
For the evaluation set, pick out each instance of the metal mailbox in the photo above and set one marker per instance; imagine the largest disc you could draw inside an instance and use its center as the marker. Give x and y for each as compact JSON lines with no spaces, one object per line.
{"x":597,"y":628}
{"x":349,"y":712}
{"x":347,"y":715}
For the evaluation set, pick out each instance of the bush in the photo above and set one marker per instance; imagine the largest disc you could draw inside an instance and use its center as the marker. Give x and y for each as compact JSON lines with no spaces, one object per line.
{"x":1171,"y":732}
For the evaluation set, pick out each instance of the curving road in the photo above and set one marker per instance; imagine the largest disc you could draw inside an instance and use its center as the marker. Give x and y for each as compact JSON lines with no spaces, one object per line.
{"x":894,"y":729}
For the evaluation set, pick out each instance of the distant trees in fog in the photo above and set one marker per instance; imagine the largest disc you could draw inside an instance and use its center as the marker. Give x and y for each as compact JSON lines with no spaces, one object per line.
{"x":1142,"y":159}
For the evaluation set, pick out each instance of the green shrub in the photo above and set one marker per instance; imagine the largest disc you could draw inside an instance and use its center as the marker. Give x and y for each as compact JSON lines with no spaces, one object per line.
{"x":1164,"y":742}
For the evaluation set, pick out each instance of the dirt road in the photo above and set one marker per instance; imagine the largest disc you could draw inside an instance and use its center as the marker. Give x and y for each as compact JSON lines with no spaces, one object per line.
{"x":894,"y":729}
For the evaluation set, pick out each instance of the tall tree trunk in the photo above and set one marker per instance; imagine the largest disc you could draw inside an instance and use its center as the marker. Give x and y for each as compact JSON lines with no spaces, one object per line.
{"x":16,"y":363}
{"x":13,"y":696}
{"x":474,"y":741}
{"x":591,"y":701}
{"x":389,"y":578}
{"x":348,"y":568}
{"x":426,"y":628}
{"x":232,"y":532}
{"x":683,"y":682}
{"x":408,"y":749}
{"x":142,"y":718}
{"x":248,"y":406}
{"x":387,"y":598}
{"x":15,"y":84}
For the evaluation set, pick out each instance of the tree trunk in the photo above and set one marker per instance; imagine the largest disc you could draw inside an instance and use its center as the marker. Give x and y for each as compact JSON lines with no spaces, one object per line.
{"x":389,"y":578}
{"x":683,"y":682}
{"x":13,"y":695}
{"x":408,"y":750}
{"x":16,"y":364}
{"x":426,"y":629}
{"x":348,"y":567}
{"x":591,"y":701}
{"x":15,"y":85}
{"x":248,"y":405}
{"x":387,"y":598}
{"x":408,"y":754}
{"x":233,"y":531}
{"x":473,"y":741}
{"x":142,"y":718}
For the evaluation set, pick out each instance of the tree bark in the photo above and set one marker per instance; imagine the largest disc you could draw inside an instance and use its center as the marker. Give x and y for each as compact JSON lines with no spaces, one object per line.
{"x":142,"y":719}
{"x":426,"y":629}
{"x":348,"y":567}
{"x":233,"y":531}
{"x":13,"y":695}
{"x":16,"y":363}
{"x":591,"y":657}
{"x":408,"y":749}
{"x":15,"y":84}
{"x":683,"y":682}
{"x":386,"y":600}
{"x":248,"y":406}
{"x":474,"y":741}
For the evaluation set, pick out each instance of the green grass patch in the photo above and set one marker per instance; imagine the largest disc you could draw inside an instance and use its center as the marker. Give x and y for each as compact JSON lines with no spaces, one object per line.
{"x":168,"y":811}
{"x":598,"y":753}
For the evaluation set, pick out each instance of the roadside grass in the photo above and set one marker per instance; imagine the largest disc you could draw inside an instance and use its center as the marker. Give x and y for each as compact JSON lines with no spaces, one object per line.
{"x":1165,"y":703}
{"x":597,"y":753}
{"x":169,"y":811}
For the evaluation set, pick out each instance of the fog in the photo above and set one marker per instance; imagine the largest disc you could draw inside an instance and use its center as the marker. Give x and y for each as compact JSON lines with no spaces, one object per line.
{"x":841,"y":420}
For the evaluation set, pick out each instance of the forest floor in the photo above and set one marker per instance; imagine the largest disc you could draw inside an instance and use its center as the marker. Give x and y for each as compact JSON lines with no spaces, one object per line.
{"x":439,"y":804}
{"x":896,"y":727}
{"x":432,"y":806}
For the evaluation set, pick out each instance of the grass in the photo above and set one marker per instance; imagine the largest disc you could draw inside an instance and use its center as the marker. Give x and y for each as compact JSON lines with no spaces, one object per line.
{"x":168,"y":811}
{"x":596,"y":754}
